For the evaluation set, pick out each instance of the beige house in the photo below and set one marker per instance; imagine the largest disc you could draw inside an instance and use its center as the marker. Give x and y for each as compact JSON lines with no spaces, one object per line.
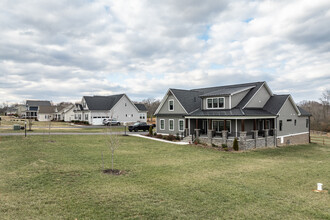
{"x":46,"y":113}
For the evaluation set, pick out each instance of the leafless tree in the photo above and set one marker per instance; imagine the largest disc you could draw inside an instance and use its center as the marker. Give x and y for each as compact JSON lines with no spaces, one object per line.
{"x":151,"y":105}
{"x":112,"y":141}
{"x":30,"y":123}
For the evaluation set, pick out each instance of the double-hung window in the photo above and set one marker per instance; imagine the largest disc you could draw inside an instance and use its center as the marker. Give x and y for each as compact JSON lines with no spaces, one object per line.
{"x":180,"y":125}
{"x":171,"y":124}
{"x":162,"y":124}
{"x":215,"y":103}
{"x":171,"y":105}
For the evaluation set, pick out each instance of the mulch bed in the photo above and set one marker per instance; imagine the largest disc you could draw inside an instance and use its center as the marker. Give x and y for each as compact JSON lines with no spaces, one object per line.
{"x":114,"y":172}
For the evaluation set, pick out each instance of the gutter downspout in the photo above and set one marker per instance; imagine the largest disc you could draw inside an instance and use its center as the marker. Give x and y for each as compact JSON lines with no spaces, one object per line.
{"x":276,"y":131}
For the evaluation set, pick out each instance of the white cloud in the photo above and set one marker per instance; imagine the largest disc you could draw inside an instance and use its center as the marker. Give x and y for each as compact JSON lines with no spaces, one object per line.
{"x":61,"y":50}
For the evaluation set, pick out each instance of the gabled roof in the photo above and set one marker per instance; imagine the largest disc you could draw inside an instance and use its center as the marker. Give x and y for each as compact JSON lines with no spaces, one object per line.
{"x":189,"y":99}
{"x":102,"y":102}
{"x":37,"y":103}
{"x":141,"y":107}
{"x":275,"y":103}
{"x":46,"y":109}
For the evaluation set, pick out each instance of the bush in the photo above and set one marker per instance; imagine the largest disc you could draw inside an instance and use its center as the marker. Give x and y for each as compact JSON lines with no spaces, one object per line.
{"x":197,"y":141}
{"x":214,"y":145}
{"x":170,"y":137}
{"x":224,"y":146}
{"x":235,"y":144}
{"x":155,"y":134}
{"x":150,"y":131}
{"x":178,"y":136}
{"x":159,"y":136}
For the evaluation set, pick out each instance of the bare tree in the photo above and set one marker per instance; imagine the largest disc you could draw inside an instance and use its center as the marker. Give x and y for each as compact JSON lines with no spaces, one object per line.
{"x":112,"y":141}
{"x":30,"y":123}
{"x":151,"y":105}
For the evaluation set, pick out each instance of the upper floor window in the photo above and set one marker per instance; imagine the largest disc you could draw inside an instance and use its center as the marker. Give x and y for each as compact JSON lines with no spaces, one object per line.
{"x":307,"y":122}
{"x":281,"y":124}
{"x":171,"y":105}
{"x":216,"y":103}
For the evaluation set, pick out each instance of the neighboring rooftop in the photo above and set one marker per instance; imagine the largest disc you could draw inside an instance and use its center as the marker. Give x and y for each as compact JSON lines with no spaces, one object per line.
{"x":38,"y":103}
{"x":141,"y":107}
{"x":47,"y":109}
{"x":102,"y":102}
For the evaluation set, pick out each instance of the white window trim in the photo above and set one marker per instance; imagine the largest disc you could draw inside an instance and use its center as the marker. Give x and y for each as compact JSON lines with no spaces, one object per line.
{"x":169,"y":105}
{"x":224,"y":103}
{"x":223,"y":122}
{"x":160,"y":127}
{"x":182,"y":125}
{"x":169,"y":124}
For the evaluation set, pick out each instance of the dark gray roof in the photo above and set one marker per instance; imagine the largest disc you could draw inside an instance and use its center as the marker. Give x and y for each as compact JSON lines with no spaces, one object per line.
{"x":227,"y":91}
{"x":37,"y":103}
{"x":275,"y":103}
{"x":102,"y":102}
{"x":189,"y":99}
{"x":232,"y":112}
{"x":141,"y":107}
{"x":47,"y":109}
{"x":79,"y":107}
{"x":304,"y":112}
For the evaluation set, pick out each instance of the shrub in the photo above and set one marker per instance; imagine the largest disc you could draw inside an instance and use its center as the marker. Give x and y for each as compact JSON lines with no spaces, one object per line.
{"x":170,"y":137}
{"x":235,"y":144}
{"x":150,"y":131}
{"x":159,"y":136}
{"x":224,"y":146}
{"x":197,"y":141}
{"x":155,"y":134}
{"x":214,"y":145}
{"x":178,"y":136}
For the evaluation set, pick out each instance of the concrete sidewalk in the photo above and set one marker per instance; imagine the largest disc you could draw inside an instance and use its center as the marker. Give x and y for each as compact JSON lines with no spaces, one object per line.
{"x":161,"y":140}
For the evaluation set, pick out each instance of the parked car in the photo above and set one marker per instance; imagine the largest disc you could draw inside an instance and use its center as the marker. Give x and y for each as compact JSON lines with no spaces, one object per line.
{"x":109,"y":121}
{"x":140,"y":126}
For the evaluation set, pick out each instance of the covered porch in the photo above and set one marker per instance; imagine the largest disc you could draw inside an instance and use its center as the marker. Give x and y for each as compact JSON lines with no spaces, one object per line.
{"x":223,"y":130}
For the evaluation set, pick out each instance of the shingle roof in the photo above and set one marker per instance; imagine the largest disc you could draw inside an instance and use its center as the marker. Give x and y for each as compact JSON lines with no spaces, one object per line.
{"x":37,"y":103}
{"x":304,"y":112}
{"x":189,"y":99}
{"x":47,"y":109}
{"x":141,"y":107}
{"x":275,"y":103}
{"x":232,"y":112}
{"x":102,"y":102}
{"x":227,"y":91}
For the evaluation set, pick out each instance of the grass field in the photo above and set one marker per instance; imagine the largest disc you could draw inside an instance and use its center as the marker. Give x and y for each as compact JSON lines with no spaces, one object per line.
{"x":62,"y":179}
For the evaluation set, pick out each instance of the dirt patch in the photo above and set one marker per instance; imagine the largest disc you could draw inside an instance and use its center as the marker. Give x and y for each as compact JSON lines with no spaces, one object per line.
{"x":114,"y":172}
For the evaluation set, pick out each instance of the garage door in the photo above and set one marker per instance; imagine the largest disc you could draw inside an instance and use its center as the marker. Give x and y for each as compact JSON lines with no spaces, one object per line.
{"x":97,"y":121}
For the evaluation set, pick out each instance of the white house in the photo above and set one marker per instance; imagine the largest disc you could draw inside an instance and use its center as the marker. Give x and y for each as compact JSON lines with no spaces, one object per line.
{"x":95,"y":109}
{"x":46,"y":113}
{"x":66,"y":113}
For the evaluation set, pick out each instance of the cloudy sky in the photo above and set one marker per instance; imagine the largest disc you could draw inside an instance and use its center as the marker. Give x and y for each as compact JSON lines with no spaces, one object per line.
{"x":64,"y":49}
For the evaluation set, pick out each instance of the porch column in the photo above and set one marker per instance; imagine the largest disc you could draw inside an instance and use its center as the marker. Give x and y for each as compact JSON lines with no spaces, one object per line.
{"x":242,"y":125}
{"x":265,"y":128}
{"x":186,"y":130}
{"x":236,"y":127}
{"x":242,"y":135}
{"x":255,"y":124}
{"x":209,"y":130}
{"x":197,"y":131}
{"x":224,"y":125}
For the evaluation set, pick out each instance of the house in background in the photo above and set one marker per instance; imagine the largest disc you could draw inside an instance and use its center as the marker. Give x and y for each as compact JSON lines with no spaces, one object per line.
{"x":66,"y":113}
{"x":32,"y":107}
{"x":46,"y":113}
{"x":249,"y":112}
{"x":94,"y":109}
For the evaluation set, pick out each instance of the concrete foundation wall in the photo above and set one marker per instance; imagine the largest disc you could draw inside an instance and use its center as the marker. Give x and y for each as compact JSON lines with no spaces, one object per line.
{"x":293,"y":139}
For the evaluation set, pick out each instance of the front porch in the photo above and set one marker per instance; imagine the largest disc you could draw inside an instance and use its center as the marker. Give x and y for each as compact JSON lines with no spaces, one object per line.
{"x":250,"y":133}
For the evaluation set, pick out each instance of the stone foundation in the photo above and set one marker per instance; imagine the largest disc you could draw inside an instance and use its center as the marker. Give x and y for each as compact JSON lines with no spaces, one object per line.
{"x":293,"y":140}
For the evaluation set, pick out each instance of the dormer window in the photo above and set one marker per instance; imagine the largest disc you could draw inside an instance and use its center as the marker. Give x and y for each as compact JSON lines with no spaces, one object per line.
{"x":171,"y":105}
{"x":215,"y":103}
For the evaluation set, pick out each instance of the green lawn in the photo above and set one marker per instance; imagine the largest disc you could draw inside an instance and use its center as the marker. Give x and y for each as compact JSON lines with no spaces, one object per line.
{"x":66,"y":130}
{"x":62,"y":179}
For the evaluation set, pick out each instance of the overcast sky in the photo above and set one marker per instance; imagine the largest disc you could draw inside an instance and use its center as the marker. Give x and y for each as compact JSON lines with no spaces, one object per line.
{"x":61,"y":50}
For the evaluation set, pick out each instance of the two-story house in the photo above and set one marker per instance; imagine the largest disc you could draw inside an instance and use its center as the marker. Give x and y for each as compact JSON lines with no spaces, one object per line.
{"x":95,"y":109}
{"x":32,"y":107}
{"x":249,"y":112}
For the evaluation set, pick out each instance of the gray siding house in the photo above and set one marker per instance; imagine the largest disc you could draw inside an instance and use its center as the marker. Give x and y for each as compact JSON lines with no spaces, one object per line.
{"x":250,"y":112}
